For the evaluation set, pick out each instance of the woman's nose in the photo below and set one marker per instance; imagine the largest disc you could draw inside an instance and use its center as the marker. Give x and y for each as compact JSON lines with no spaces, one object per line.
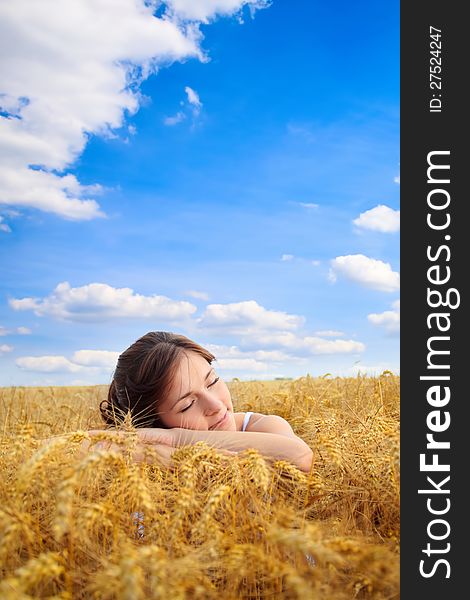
{"x":211,"y":403}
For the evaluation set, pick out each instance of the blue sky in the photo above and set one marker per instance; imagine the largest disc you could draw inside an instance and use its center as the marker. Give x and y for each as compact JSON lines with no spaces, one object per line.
{"x":224,"y":169}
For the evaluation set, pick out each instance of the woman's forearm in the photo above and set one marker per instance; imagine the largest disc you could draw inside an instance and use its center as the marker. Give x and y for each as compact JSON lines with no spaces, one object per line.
{"x":273,"y":446}
{"x":140,"y":453}
{"x":270,"y":445}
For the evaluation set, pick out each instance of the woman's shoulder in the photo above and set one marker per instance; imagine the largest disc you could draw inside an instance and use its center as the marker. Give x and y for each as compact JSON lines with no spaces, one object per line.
{"x":263,"y":423}
{"x":245,"y":420}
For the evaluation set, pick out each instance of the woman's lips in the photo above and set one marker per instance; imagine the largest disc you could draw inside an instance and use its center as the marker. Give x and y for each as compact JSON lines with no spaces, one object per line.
{"x":221,"y":422}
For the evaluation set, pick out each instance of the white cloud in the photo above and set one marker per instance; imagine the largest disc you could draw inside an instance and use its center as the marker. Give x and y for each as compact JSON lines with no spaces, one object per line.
{"x":195,"y":106}
{"x":82,"y":361}
{"x":99,"y":301}
{"x":268,"y":335}
{"x":4,"y":348}
{"x":242,"y":364}
{"x":232,"y":352}
{"x":291,"y":257}
{"x":71,"y":73}
{"x":242,"y":317}
{"x":24,"y":330}
{"x":205,"y":10}
{"x":197,"y":295}
{"x":329,"y":333}
{"x":74,"y":382}
{"x":366,"y":271}
{"x":306,"y":345}
{"x":96,"y":358}
{"x":380,"y":218}
{"x":397,"y":179}
{"x":231,"y":360}
{"x":175,"y":119}
{"x":18,"y":330}
{"x":61,"y":195}
{"x":193,"y":99}
{"x":276,"y":356}
{"x":92,"y":361}
{"x":3,"y":226}
{"x":85,"y":362}
{"x":389,"y":320}
{"x":47,"y":364}
{"x":269,"y":354}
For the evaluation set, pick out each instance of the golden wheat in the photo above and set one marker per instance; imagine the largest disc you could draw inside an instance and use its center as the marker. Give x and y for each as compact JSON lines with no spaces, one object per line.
{"x":79,"y":519}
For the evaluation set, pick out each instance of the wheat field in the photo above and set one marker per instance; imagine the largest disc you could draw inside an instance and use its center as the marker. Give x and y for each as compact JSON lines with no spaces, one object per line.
{"x":75,"y":526}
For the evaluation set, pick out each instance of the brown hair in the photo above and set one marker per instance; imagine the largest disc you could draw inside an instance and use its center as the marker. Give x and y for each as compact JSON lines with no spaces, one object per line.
{"x":143,"y":375}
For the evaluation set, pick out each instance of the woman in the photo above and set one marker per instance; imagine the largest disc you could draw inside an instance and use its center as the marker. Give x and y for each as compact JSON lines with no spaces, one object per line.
{"x":168,"y":384}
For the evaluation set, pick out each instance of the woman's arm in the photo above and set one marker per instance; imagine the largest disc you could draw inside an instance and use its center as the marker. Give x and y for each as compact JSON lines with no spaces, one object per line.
{"x":160,"y":450}
{"x":275,"y":446}
{"x":151,"y":444}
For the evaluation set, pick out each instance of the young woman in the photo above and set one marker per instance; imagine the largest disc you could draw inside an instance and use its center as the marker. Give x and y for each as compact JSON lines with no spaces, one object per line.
{"x":176,"y":398}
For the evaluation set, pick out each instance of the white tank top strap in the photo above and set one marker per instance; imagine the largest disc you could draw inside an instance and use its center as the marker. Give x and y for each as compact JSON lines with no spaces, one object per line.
{"x":246,"y":419}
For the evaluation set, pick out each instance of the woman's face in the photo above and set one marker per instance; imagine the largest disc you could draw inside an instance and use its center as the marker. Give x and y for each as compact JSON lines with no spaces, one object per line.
{"x":197,"y":398}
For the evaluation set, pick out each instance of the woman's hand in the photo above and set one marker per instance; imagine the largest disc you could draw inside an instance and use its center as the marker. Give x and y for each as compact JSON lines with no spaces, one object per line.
{"x":152,"y":444}
{"x":144,"y":435}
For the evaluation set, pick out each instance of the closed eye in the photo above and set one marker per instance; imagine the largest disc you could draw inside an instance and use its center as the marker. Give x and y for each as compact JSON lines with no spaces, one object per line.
{"x":210,"y":385}
{"x":189,"y":406}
